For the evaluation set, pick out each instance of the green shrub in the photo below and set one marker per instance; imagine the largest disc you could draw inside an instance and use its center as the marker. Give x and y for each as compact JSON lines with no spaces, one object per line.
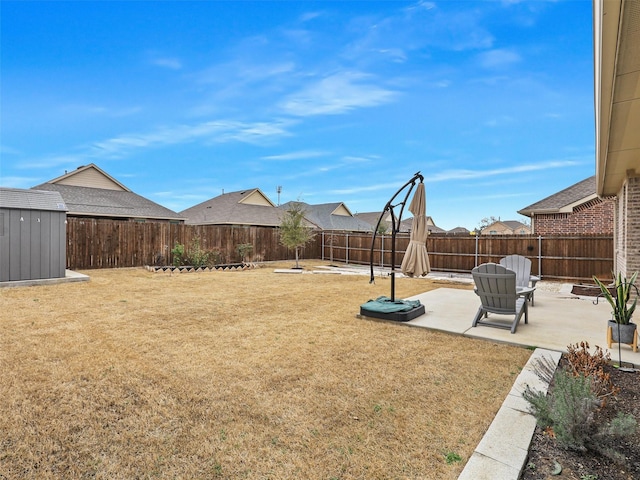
{"x":573,"y":410}
{"x":244,"y":249}
{"x":195,"y":255}
{"x":570,"y":411}
{"x":178,"y":254}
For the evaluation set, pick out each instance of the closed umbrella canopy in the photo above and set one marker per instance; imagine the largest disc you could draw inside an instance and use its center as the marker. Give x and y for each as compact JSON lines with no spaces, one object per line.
{"x":416,"y":260}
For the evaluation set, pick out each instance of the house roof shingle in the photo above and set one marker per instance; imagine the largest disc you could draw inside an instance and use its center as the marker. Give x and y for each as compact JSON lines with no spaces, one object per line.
{"x":101,"y":202}
{"x":459,"y":231}
{"x":324,"y":217}
{"x":234,"y":208}
{"x":89,"y":191}
{"x":564,"y":200}
{"x":513,"y":224}
{"x":405,"y":224}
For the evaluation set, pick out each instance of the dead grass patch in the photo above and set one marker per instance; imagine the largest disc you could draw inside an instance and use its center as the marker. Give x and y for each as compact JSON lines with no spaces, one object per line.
{"x":236,"y":375}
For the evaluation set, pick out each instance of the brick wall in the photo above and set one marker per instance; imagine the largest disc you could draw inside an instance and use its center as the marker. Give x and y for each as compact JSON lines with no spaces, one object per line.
{"x":592,"y":217}
{"x":620,"y":238}
{"x":632,"y":226}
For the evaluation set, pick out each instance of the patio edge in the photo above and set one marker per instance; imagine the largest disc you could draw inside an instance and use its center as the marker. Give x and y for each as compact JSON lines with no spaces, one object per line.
{"x":503,"y":451}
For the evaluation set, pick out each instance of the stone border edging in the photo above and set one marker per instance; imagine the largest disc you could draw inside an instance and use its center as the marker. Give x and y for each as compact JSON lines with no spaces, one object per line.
{"x":504,"y":448}
{"x":189,"y":269}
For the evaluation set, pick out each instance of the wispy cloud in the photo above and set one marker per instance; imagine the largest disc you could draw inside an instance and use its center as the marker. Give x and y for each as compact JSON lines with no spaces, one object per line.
{"x":53,"y":161}
{"x":417,"y":29}
{"x":337,"y":94}
{"x":77,"y":109}
{"x":213,"y":131}
{"x":463,"y":174}
{"x":7,"y":150}
{"x":498,"y":58}
{"x":421,"y":5}
{"x":17,"y":182}
{"x":168,"y":62}
{"x":365,"y":159}
{"x":305,"y":17}
{"x":254,"y":133}
{"x":499,"y":121}
{"x":299,"y":155}
{"x":207,"y":132}
{"x":369,"y":188}
{"x":244,"y":71}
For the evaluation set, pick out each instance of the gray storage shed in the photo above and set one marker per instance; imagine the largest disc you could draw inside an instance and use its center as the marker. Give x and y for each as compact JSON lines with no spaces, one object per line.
{"x":33,"y":235}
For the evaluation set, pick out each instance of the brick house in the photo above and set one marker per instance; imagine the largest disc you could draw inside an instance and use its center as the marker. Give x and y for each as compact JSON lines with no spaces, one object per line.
{"x":576,"y":210}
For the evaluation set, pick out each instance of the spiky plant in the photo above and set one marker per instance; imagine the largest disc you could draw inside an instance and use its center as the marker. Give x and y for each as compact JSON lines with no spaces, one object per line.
{"x":622,"y":311}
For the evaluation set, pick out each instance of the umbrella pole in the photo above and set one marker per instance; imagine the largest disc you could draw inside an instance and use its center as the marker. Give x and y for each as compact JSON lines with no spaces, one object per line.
{"x":393,"y":257}
{"x":389,"y":207}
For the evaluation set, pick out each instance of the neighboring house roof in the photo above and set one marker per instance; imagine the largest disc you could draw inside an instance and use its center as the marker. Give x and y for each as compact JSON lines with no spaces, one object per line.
{"x":20,"y":199}
{"x":459,"y":231}
{"x":332,"y":216}
{"x":89,"y":191}
{"x":512,"y":225}
{"x":244,"y":207}
{"x":432,"y":227}
{"x":372,"y":217}
{"x":565,"y":200}
{"x":89,"y":176}
{"x":405,"y":225}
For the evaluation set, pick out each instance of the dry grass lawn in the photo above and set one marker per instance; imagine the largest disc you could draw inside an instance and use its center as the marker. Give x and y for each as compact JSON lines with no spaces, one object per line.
{"x":236,"y":375}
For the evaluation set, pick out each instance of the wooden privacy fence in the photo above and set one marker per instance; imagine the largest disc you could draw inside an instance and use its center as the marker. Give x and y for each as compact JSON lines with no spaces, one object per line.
{"x":553,"y":257}
{"x":93,"y":243}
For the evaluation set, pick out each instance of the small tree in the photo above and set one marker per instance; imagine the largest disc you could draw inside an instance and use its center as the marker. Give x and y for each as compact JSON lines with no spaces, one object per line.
{"x":293,"y":231}
{"x":485,"y":222}
{"x":383,"y":228}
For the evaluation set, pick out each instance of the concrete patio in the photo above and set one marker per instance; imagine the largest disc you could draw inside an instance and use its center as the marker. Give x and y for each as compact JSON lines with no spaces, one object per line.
{"x":557,"y":319}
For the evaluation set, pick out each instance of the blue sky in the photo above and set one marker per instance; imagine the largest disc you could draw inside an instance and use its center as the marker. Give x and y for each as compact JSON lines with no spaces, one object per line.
{"x":334,"y":101}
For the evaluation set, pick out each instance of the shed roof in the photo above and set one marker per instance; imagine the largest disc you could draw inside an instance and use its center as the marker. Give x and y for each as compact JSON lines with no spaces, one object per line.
{"x":565,"y":200}
{"x":16,"y":198}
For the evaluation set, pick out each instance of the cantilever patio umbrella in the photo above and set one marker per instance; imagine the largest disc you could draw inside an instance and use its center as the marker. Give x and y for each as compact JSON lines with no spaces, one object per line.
{"x":416,"y":260}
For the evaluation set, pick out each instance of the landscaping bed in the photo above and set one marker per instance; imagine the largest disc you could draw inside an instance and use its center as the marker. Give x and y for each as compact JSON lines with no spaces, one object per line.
{"x":188,"y":268}
{"x":547,"y":457}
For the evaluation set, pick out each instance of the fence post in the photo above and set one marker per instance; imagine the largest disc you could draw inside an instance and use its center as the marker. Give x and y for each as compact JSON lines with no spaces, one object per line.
{"x":347,"y":249}
{"x":540,"y":256}
{"x":476,"y":258}
{"x":382,"y":251}
{"x":322,"y":246}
